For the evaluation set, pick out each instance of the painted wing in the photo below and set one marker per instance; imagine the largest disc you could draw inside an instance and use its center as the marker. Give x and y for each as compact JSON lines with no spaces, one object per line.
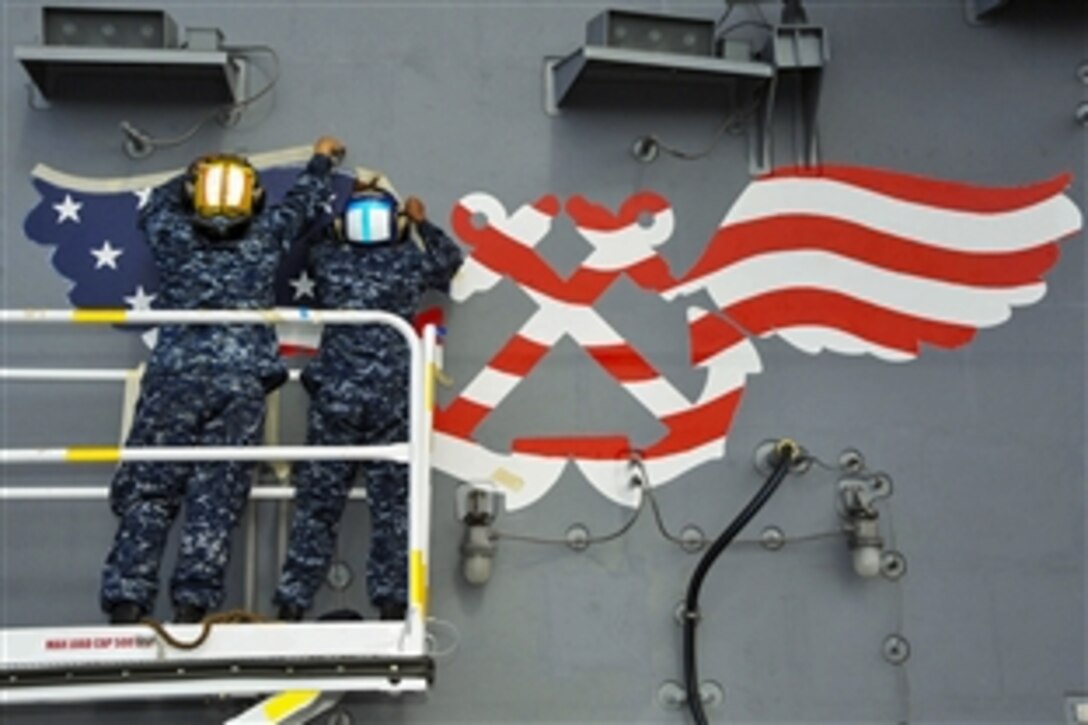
{"x":78,"y":216}
{"x":861,"y":261}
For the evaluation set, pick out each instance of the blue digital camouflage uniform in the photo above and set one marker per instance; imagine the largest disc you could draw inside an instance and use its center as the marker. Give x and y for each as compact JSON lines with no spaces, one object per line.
{"x":204,"y":385}
{"x":358,"y":386}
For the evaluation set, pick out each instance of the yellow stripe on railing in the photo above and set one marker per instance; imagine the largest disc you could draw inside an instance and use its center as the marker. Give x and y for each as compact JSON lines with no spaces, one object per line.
{"x":418,"y":580}
{"x":289,"y":703}
{"x":428,"y":386}
{"x":102,"y":454}
{"x":98,"y":317}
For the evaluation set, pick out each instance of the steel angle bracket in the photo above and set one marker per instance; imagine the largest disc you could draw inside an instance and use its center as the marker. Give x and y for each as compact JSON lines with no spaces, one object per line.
{"x":798,"y":54}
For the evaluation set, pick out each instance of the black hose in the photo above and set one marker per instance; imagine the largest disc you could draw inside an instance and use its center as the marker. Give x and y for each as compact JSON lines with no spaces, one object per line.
{"x":691,"y":603}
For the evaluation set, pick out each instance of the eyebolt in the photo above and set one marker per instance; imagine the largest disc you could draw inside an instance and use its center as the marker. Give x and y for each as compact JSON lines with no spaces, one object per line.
{"x":671,"y":695}
{"x":711,"y":693}
{"x":1081,"y":114}
{"x":772,"y":538}
{"x":578,"y":537}
{"x":893,"y":565}
{"x":896,"y":649}
{"x":851,"y":460}
{"x":881,"y":485}
{"x":645,"y":149}
{"x":692,"y":539}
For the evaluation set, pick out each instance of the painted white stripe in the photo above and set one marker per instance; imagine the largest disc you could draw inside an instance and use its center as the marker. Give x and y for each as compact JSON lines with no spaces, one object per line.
{"x":1024,"y":228}
{"x":527,"y":225}
{"x":814,"y":339}
{"x":658,"y":396}
{"x":583,"y":323}
{"x":472,"y":462}
{"x":625,"y":247}
{"x":729,"y":370}
{"x":490,"y":387}
{"x":542,"y":328}
{"x":926,"y":298}
{"x":473,"y":277}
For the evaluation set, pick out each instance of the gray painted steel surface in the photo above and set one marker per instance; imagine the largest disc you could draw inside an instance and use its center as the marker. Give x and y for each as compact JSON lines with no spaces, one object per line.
{"x":985,"y":443}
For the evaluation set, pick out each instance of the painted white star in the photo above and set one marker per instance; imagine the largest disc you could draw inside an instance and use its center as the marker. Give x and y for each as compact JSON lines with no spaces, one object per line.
{"x":140,"y":300}
{"x":106,"y":255}
{"x":142,"y":195}
{"x":304,"y":286}
{"x":68,"y":209}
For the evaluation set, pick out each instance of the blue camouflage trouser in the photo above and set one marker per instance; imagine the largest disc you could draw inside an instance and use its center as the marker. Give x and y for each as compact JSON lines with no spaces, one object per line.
{"x":223,"y":410}
{"x":361,"y":411}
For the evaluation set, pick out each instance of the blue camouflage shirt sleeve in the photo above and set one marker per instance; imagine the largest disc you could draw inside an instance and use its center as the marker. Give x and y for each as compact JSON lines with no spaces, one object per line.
{"x":443,"y":257}
{"x":302,"y":203}
{"x":164,"y":214}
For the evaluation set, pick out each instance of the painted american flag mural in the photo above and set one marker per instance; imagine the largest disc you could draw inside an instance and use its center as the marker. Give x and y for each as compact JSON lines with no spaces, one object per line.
{"x":840,"y":259}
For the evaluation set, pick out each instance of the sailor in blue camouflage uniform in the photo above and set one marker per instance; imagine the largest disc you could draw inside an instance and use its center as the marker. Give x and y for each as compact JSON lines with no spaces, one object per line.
{"x":359,"y":389}
{"x":214,"y":247}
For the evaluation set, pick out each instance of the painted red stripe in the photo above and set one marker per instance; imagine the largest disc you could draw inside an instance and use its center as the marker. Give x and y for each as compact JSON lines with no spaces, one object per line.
{"x":431,"y":316}
{"x":460,"y":418}
{"x":495,"y":250}
{"x":896,"y":330}
{"x":711,"y":335}
{"x":798,"y":232}
{"x":548,"y":204}
{"x":686,"y":431}
{"x":623,"y":362}
{"x":934,"y":192}
{"x":292,"y":350}
{"x":697,"y":426}
{"x":652,"y":274}
{"x":596,"y":217}
{"x":518,"y":356}
{"x":602,"y":448}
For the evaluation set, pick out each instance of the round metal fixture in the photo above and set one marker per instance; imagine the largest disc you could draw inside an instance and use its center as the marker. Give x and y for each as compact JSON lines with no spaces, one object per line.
{"x":893,"y":565}
{"x":578,"y":537}
{"x":896,"y":649}
{"x":772,"y":538}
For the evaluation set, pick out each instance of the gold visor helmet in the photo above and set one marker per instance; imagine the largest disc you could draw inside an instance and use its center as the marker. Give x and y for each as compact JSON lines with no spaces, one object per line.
{"x":225,"y":192}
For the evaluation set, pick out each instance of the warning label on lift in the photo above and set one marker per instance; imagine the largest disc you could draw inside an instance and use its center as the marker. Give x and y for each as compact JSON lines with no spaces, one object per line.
{"x":123,"y":642}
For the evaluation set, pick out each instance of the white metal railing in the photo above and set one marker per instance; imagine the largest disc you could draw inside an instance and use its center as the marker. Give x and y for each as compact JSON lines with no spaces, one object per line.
{"x":98,"y":493}
{"x":28,"y":648}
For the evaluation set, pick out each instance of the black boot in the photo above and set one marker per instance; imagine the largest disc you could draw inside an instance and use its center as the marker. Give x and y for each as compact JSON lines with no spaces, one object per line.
{"x":126,"y":613}
{"x":341,"y":615}
{"x":188,"y":614}
{"x":289,"y":613}
{"x":393,"y":611}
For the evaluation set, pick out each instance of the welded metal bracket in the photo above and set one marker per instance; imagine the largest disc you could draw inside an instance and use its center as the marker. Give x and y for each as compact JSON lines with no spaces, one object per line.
{"x":136,"y":74}
{"x":798,"y":54}
{"x":792,"y":61}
